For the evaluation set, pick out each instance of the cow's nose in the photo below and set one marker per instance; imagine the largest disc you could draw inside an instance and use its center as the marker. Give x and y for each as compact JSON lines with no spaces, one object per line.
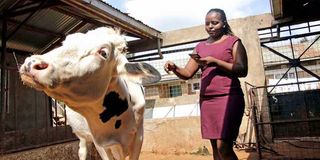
{"x":35,"y":65}
{"x":40,"y":66}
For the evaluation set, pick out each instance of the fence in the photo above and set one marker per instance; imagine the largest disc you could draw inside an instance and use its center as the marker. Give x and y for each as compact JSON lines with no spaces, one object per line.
{"x":287,"y":123}
{"x":29,"y":118}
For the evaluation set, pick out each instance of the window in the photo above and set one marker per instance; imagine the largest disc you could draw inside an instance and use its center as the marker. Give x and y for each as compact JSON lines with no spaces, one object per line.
{"x":175,"y":91}
{"x":195,"y":87}
{"x":292,"y":75}
{"x":197,"y":76}
{"x":278,"y":76}
{"x":151,"y":91}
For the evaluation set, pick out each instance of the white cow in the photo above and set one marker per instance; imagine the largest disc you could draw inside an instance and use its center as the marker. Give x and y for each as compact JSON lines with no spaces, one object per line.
{"x":81,"y":129}
{"x":91,"y":74}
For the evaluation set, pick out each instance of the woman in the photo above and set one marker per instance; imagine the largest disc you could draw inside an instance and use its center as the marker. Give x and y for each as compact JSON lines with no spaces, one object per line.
{"x":222,"y":59}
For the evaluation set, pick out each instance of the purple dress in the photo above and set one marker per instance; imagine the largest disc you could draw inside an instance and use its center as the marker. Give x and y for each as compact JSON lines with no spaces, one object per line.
{"x":221,"y":98}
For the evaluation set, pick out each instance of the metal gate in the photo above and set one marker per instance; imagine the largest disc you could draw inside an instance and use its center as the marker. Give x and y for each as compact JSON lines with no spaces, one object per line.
{"x":29,"y":118}
{"x":286,"y":112}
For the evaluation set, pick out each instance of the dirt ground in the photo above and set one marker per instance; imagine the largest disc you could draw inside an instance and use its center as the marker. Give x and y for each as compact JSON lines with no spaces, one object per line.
{"x":242,"y":155}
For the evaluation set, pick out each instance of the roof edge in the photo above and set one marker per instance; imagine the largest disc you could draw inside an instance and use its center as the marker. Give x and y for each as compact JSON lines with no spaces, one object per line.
{"x":107,"y":12}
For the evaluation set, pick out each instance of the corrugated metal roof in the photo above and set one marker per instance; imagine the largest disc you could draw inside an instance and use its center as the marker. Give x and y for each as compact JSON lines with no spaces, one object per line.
{"x":44,"y":25}
{"x":294,"y":11}
{"x":127,"y":15}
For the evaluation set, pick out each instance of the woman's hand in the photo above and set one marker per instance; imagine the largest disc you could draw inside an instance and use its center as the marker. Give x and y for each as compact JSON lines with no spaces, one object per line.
{"x":211,"y":61}
{"x":169,"y":66}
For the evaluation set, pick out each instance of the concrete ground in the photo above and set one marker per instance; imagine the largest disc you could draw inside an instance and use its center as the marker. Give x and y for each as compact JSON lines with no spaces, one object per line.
{"x":242,"y":155}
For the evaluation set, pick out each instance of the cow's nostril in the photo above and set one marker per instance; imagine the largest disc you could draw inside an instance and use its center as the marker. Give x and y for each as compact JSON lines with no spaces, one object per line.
{"x":40,"y":66}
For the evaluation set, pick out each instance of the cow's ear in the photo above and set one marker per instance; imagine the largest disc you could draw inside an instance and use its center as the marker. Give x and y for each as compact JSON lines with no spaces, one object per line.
{"x":144,"y":70}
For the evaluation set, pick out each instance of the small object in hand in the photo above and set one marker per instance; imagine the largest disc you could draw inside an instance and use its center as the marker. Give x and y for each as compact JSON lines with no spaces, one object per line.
{"x":195,"y":56}
{"x":169,"y":68}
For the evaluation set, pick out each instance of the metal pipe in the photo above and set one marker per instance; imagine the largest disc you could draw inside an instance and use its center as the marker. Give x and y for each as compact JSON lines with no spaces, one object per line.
{"x":2,"y":69}
{"x":162,"y":52}
{"x":159,"y":48}
{"x":255,"y":121}
{"x":269,"y":40}
{"x":290,"y":121}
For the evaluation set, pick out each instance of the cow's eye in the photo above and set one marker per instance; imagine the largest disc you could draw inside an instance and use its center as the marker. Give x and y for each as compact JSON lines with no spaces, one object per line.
{"x":103,"y":53}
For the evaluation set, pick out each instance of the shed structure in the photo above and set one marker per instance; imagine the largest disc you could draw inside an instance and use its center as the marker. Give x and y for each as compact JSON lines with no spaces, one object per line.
{"x":35,"y":27}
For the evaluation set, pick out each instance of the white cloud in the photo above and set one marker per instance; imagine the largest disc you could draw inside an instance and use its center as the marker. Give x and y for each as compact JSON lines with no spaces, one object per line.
{"x":167,"y":15}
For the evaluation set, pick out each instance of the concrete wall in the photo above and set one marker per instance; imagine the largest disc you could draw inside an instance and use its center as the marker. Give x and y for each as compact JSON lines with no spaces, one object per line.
{"x":179,"y":135}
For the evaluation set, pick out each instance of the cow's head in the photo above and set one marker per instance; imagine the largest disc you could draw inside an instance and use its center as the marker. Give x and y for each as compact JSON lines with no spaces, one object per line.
{"x":81,"y":69}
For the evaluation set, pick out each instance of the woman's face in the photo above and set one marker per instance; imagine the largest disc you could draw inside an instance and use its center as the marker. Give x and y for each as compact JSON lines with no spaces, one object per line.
{"x":214,"y":24}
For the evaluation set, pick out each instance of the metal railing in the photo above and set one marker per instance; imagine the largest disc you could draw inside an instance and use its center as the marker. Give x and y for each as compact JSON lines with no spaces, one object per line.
{"x":287,"y":123}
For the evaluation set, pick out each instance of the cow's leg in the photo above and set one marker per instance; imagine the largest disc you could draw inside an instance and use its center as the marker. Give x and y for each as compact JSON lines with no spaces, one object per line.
{"x":83,"y":150}
{"x":136,"y":145}
{"x":138,"y":110}
{"x":109,"y":154}
{"x":117,"y":152}
{"x":104,"y":154}
{"x":138,"y":101}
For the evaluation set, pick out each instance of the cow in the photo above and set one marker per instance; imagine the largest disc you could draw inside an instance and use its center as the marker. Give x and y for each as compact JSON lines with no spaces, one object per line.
{"x":91,"y":74}
{"x":79,"y":127}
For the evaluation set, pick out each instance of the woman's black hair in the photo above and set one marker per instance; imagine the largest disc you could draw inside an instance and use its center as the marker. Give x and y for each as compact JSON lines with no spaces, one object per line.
{"x":227,"y":28}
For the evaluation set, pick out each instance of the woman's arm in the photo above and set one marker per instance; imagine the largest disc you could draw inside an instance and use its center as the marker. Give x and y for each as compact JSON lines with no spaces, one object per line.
{"x":239,"y":66}
{"x":184,"y":73}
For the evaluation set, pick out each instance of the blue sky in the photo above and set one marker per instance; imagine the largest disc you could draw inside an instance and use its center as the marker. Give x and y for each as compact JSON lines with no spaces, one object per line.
{"x":166,"y":15}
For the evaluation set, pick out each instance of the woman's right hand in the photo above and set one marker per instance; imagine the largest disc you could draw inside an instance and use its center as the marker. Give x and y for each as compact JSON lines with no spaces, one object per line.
{"x":169,"y":66}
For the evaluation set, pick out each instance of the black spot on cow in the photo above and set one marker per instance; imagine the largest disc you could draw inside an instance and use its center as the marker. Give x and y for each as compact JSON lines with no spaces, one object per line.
{"x":118,"y":124}
{"x":114,"y":105}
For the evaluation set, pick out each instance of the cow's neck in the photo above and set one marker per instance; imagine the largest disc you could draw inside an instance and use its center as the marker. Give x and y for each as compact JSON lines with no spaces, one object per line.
{"x":94,"y":113}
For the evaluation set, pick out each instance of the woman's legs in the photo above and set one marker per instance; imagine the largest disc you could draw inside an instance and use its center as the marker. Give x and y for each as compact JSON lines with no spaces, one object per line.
{"x":223,"y":149}
{"x":216,"y":155}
